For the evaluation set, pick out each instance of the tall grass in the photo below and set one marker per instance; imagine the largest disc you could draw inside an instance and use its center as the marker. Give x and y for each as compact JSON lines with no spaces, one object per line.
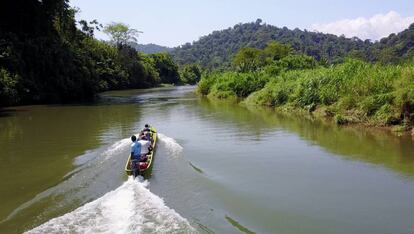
{"x":232,"y":84}
{"x":354,"y":91}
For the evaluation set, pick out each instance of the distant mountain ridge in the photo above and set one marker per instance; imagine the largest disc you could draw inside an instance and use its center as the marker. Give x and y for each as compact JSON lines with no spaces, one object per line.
{"x":151,"y":48}
{"x":216,"y":49}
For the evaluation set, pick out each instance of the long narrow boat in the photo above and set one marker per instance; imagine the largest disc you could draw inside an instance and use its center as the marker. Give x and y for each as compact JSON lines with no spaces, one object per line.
{"x":146,"y":170}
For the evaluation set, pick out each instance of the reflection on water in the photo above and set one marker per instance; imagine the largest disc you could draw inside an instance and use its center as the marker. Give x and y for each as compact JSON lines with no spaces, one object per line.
{"x":370,"y":145}
{"x":224,"y":167}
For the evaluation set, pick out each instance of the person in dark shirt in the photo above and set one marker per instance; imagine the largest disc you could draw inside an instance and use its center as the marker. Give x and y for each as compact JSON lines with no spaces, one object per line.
{"x":147,"y":128}
{"x":147,"y":132}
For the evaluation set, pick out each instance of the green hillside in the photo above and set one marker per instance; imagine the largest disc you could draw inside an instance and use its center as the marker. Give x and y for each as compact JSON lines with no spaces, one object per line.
{"x":216,"y":49}
{"x":150,"y":48}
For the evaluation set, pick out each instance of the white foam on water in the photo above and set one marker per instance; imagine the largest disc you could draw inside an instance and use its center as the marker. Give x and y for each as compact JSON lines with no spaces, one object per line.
{"x":90,"y":165}
{"x":131,"y":208}
{"x":107,"y":152}
{"x":87,"y":170}
{"x":172,"y":146}
{"x":116,"y":148}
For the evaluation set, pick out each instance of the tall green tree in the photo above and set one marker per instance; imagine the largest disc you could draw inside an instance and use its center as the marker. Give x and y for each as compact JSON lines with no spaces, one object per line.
{"x":89,"y":28}
{"x":277,"y":51}
{"x":166,"y":67}
{"x":190,"y":74}
{"x":45,"y":58}
{"x":248,"y":59}
{"x":121,"y":33}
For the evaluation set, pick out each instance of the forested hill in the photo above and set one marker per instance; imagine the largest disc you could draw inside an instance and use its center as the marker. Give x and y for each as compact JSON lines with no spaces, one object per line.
{"x":395,"y":47}
{"x":216,"y":49}
{"x":150,"y":48}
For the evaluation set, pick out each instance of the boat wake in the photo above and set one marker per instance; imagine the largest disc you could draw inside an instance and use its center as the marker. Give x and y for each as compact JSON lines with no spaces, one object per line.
{"x":131,"y":208}
{"x":89,"y":174}
{"x":116,"y":148}
{"x":174,"y":149}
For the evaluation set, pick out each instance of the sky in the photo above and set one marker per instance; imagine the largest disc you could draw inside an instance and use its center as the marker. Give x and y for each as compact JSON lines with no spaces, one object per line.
{"x":175,"y":22}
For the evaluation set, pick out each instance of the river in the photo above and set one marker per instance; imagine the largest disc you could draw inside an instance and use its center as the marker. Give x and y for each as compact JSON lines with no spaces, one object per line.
{"x":219,"y":168}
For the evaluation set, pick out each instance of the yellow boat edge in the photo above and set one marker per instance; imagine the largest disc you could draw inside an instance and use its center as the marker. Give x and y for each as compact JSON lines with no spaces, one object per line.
{"x":145,"y":172}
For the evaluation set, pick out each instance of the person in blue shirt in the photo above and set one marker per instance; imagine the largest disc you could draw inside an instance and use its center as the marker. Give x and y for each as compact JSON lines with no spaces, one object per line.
{"x":135,"y":154}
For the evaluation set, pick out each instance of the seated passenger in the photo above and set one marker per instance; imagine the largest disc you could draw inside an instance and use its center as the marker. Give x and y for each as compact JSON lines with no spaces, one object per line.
{"x":147,"y":132}
{"x":145,"y":146}
{"x":147,"y":128}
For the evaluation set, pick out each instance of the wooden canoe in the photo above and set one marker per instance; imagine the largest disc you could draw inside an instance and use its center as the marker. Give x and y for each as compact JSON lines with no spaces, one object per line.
{"x":148,"y":170}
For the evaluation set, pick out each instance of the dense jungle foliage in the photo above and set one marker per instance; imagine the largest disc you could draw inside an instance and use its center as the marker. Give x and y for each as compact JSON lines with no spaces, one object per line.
{"x":45,"y":58}
{"x":217,"y":49}
{"x":351,"y":92}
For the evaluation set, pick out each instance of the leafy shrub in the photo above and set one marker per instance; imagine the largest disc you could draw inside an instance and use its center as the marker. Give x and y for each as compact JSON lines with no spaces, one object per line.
{"x":8,"y":88}
{"x":386,"y":115}
{"x":297,"y":62}
{"x":372,"y":103}
{"x":190,"y":74}
{"x":274,"y":94}
{"x":222,"y":94}
{"x":272,"y":69}
{"x":242,"y":84}
{"x":206,"y":83}
{"x":347,"y":102}
{"x":340,"y":119}
{"x":405,"y":87}
{"x":307,"y":91}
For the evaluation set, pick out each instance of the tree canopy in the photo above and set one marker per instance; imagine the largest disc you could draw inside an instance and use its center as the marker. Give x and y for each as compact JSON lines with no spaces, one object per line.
{"x":248,"y":59}
{"x":121,"y":34}
{"x":277,"y":51}
{"x":190,"y":74}
{"x":166,"y":68}
{"x":45,"y":58}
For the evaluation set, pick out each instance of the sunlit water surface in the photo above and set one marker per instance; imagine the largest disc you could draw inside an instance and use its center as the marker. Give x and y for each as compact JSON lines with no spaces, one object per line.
{"x":219,"y":168}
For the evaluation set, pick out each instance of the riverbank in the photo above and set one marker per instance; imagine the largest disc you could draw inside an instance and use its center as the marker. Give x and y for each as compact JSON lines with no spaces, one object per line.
{"x":352,"y":93}
{"x":4,"y":110}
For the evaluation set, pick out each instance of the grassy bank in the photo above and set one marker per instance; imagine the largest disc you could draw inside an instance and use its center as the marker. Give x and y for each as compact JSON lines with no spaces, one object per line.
{"x":348,"y":93}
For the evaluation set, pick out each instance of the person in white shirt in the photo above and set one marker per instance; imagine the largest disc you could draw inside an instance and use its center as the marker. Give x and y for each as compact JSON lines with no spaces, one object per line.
{"x":145,"y":146}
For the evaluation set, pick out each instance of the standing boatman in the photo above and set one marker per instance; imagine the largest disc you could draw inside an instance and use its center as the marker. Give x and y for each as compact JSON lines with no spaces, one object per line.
{"x":135,"y":155}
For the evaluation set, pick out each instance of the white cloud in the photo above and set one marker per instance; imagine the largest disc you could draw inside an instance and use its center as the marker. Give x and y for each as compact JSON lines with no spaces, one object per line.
{"x":374,"y":28}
